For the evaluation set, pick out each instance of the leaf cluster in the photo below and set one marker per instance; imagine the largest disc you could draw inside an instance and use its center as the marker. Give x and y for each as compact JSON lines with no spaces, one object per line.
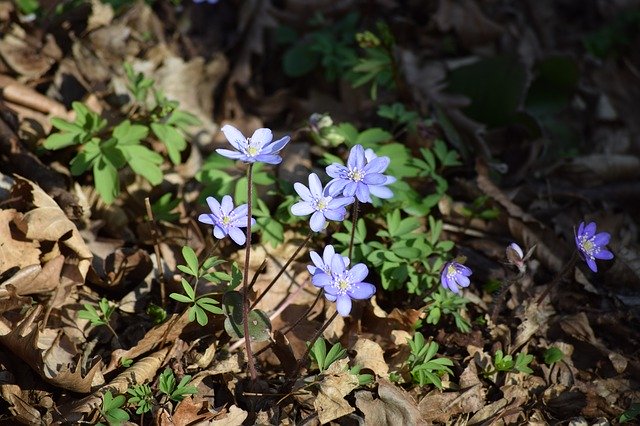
{"x":425,"y":369}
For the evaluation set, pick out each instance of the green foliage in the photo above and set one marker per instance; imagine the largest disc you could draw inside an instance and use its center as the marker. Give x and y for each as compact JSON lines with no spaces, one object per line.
{"x":200,"y":305}
{"x":126,"y":362}
{"x":377,"y":67}
{"x":97,"y":318}
{"x":141,"y":398}
{"x":399,"y":116}
{"x":175,"y":391}
{"x":105,"y":151}
{"x":363,"y":379}
{"x":163,"y":208}
{"x":330,"y":46}
{"x":631,"y":414}
{"x":258,"y":321}
{"x":27,"y":7}
{"x":553,"y":355}
{"x":480,"y":209}
{"x":443,"y":302}
{"x":506,"y":363}
{"x":319,"y":354}
{"x":157,"y":313}
{"x":111,"y":411}
{"x":616,"y":38}
{"x":425,"y":369}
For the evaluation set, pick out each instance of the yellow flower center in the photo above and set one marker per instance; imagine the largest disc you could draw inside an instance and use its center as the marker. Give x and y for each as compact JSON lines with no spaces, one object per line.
{"x":321,"y":204}
{"x":252,"y":151}
{"x":451,"y":271}
{"x":588,"y":246}
{"x":226,"y":220}
{"x":343,"y":284}
{"x":356,"y":175}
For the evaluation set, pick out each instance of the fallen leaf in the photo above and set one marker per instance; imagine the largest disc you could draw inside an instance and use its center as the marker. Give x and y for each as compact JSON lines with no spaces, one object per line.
{"x":15,"y":252}
{"x":467,"y":20}
{"x":393,"y":406}
{"x":336,"y":383}
{"x":235,"y":416}
{"x":370,"y":355}
{"x":35,"y":279}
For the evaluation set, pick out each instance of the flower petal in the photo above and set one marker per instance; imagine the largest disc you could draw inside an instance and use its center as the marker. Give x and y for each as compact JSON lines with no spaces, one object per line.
{"x":340,"y":202}
{"x":240,"y":211}
{"x":464,"y":270}
{"x":362,"y":193}
{"x":226,"y":205}
{"x":317,"y":222}
{"x":327,"y":254}
{"x":590,"y":230}
{"x":237,"y":235}
{"x":207,"y":218}
{"x":343,"y":305}
{"x":303,"y":191}
{"x":602,"y":239}
{"x":356,"y":158}
{"x":261,"y":137}
{"x":302,"y":208}
{"x":361,"y":291}
{"x":234,"y":155}
{"x":335,"y":186}
{"x":591,"y":264}
{"x":234,"y":136}
{"x":268,"y":158}
{"x":462,"y":280}
{"x":275,"y":147}
{"x":377,"y":165}
{"x":330,"y":297}
{"x":381,"y":191}
{"x":335,"y":214}
{"x":603,"y":255}
{"x":337,"y":264}
{"x":315,"y":186}
{"x":358,"y":273}
{"x":374,"y":179}
{"x":321,"y":279}
{"x":336,"y":170}
{"x":316,"y":259}
{"x":214,"y":206}
{"x":350,"y":188}
{"x":218,"y":232}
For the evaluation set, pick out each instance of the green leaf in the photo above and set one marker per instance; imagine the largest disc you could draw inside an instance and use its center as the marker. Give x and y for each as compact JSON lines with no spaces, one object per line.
{"x":172,"y":139}
{"x":188,"y":290}
{"x":209,"y":304}
{"x":61,"y":140}
{"x":180,"y":298}
{"x":299,"y":60}
{"x":128,"y":134}
{"x":191,"y":259}
{"x":553,"y":355}
{"x":144,"y":162}
{"x":106,"y":179}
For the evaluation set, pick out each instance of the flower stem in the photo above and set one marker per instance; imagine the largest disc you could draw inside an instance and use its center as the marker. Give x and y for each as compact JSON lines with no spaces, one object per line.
{"x":568,"y":267}
{"x":245,"y":280}
{"x":304,"y":358}
{"x":354,"y":222}
{"x":499,"y":298}
{"x":284,"y":268}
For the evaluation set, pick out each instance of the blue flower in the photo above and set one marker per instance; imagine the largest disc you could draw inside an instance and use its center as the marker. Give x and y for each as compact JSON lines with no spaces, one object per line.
{"x":361,"y":177}
{"x":226,"y":220}
{"x":316,"y":201}
{"x":342,"y":284}
{"x":256,"y":148}
{"x":455,"y":275}
{"x":323,"y":264}
{"x":591,"y":246}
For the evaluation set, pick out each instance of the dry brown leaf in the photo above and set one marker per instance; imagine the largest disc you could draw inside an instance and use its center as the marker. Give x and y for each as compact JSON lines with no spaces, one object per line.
{"x":27,"y":55}
{"x":337,"y":383}
{"x":534,"y":318}
{"x":234,"y":417}
{"x":14,"y":250}
{"x":393,"y":406}
{"x":140,"y":372}
{"x":594,"y":169}
{"x":121,"y":269}
{"x":101,"y":15}
{"x":50,"y":357}
{"x":188,"y":411}
{"x":35,"y":279}
{"x":370,"y":355}
{"x":468,"y":21}
{"x":47,"y":222}
{"x":168,"y":331}
{"x":20,"y":406}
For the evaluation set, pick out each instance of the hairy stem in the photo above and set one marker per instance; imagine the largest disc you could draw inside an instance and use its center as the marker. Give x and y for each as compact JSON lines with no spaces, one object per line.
{"x":245,"y":279}
{"x":354,"y":222}
{"x":568,"y":267}
{"x":284,"y":268}
{"x":499,"y":298}
{"x":305,"y":357}
{"x":156,"y":249}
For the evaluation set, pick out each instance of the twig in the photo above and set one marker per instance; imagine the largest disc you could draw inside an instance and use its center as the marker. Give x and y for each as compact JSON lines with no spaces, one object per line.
{"x":156,"y":249}
{"x":284,"y":268}
{"x":354,"y":221}
{"x":245,"y":280}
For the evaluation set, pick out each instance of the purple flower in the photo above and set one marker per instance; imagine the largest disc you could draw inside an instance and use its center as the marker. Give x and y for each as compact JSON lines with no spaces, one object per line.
{"x":343,"y":284}
{"x":323,"y":264}
{"x":455,"y":275}
{"x":226,"y":220}
{"x":361,"y":177}
{"x":591,"y":246}
{"x":316,"y":201}
{"x":256,"y":148}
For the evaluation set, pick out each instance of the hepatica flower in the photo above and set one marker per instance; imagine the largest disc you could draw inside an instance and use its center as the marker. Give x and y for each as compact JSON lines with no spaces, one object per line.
{"x":343,"y":284}
{"x":591,"y":246}
{"x":226,"y":220}
{"x":455,"y":275}
{"x":361,"y":177}
{"x":256,"y":148}
{"x":323,"y":264}
{"x":316,"y":202}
